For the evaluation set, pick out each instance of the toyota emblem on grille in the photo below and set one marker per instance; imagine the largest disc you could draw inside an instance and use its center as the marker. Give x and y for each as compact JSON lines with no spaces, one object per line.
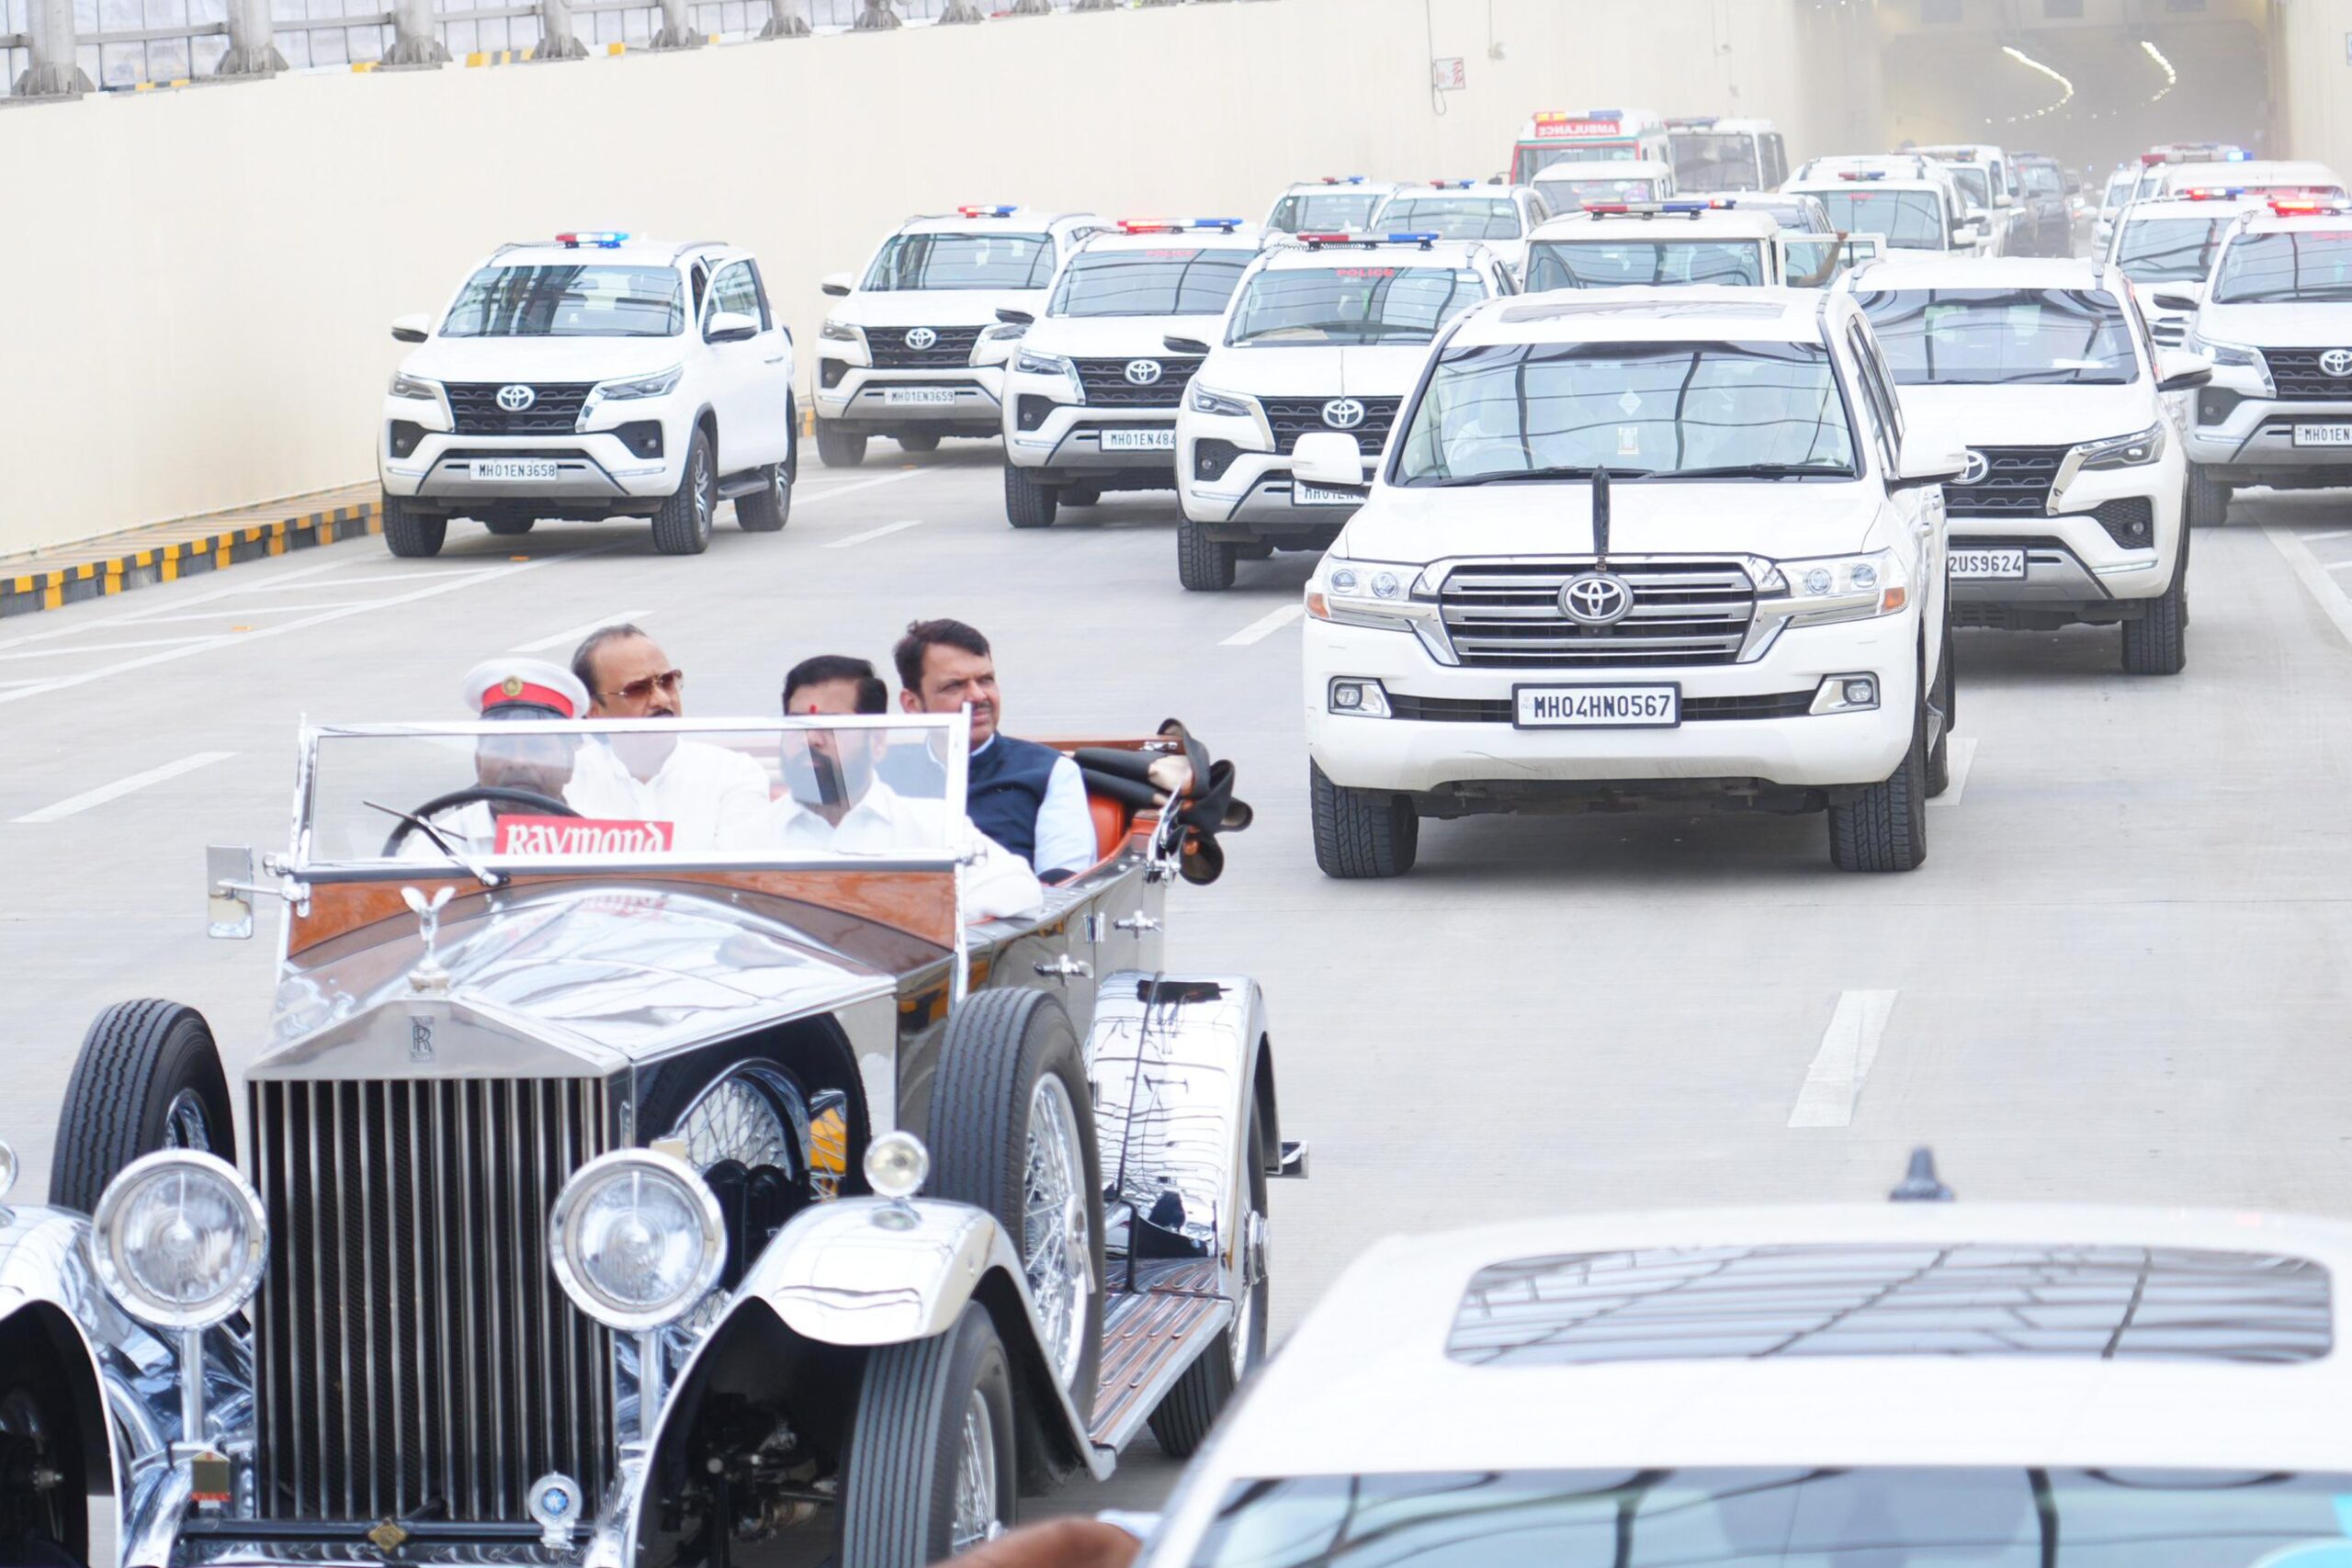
{"x":1972,"y":472}
{"x":1143,"y":372}
{"x":515,"y":399}
{"x":1595,"y":599}
{"x":1343,"y":413}
{"x":922,"y":338}
{"x":2336,"y":362}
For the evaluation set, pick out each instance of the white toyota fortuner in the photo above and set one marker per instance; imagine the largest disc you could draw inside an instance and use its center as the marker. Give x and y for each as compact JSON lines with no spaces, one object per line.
{"x":916,"y":350}
{"x":1326,"y":333}
{"x":1649,"y":544}
{"x":2071,"y":508}
{"x":1499,"y":217}
{"x":593,"y":376}
{"x":1613,"y":245}
{"x":1090,"y":400}
{"x":2167,"y":247}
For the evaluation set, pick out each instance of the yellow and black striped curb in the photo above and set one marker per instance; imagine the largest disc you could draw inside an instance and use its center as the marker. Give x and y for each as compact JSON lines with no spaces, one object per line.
{"x":48,"y":587}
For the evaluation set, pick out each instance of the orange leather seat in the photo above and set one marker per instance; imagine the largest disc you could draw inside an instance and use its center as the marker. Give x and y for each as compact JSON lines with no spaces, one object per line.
{"x":1113,"y":821}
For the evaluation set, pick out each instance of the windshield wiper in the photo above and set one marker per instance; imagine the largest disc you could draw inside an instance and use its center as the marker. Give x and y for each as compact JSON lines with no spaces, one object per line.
{"x":481,"y":873}
{"x":1508,"y":476}
{"x":1761,"y":471}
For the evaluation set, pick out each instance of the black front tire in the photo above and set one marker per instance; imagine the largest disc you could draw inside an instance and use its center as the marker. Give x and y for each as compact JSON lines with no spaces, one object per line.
{"x":1940,"y":754}
{"x":1202,"y":565}
{"x":1885,"y":828}
{"x":683,"y":525}
{"x":1001,"y":1047}
{"x":2157,"y":643}
{"x":2209,"y":499}
{"x":409,"y":532}
{"x":768,"y":509}
{"x":1361,"y":833}
{"x":1182,"y":1423}
{"x":906,"y":1448}
{"x":1027,"y":503}
{"x":838,"y":448}
{"x":149,"y":1078}
{"x":919,"y":443}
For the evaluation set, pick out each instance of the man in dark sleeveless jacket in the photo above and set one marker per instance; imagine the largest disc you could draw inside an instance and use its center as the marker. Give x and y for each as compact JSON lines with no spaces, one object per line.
{"x":1026,"y":796}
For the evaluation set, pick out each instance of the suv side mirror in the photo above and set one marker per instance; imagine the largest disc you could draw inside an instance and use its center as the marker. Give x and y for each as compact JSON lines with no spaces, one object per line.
{"x":1925,"y":458}
{"x":1969,"y":233}
{"x":2170,"y":302}
{"x":730,"y":326}
{"x":2177,"y":370}
{"x":414,"y":327}
{"x":1015,"y":317}
{"x":839,"y":284}
{"x":1328,"y":458}
{"x":1183,"y":345}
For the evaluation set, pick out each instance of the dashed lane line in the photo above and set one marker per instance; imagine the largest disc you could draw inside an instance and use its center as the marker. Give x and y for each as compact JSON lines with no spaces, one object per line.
{"x":131,"y":617}
{"x":1264,"y":627}
{"x":870,"y":533}
{"x":828,"y":492}
{"x":2325,"y":591}
{"x":75,"y":805}
{"x":571,"y":637}
{"x":1834,"y":1082}
{"x":2329,"y":534}
{"x":96,"y":648}
{"x":1962,"y":752}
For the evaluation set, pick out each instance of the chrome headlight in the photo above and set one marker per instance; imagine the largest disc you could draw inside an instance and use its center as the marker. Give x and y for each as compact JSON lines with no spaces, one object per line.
{"x":2123,"y":451}
{"x":1208,"y":400}
{"x":1367,"y":593}
{"x":2241,"y":356}
{"x":7,"y":1167}
{"x":658,"y":384}
{"x":407,"y":386}
{"x":840,"y":331}
{"x":179,"y":1239}
{"x":1030,"y":363}
{"x":637,"y":1239}
{"x":1821,"y":588}
{"x":1003,"y":331}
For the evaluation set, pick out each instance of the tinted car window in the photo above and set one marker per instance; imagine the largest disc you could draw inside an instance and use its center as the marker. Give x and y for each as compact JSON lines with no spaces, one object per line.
{"x":569,"y":301}
{"x":1993,"y":336}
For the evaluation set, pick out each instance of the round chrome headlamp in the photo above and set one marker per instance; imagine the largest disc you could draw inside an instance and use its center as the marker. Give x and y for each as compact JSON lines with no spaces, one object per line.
{"x":895,"y":1165}
{"x":7,"y":1167}
{"x":637,"y":1239}
{"x":179,"y":1239}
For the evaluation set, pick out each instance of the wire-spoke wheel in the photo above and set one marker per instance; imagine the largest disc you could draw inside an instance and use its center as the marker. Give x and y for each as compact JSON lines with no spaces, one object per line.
{"x":975,"y":1514}
{"x":1055,"y":1253}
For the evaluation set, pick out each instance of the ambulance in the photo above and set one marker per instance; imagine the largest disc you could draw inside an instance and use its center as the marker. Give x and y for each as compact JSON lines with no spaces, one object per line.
{"x":1560,"y":136}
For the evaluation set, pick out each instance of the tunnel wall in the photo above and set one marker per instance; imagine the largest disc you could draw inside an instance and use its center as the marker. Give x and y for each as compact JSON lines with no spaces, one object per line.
{"x":199,"y":282}
{"x":2310,"y":85}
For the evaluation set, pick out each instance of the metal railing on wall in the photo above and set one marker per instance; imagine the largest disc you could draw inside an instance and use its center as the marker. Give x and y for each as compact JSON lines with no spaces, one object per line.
{"x":62,"y":49}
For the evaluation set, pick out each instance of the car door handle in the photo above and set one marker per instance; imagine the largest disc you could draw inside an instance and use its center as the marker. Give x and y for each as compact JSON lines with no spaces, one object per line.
{"x":1066,"y":969}
{"x":777,"y":359}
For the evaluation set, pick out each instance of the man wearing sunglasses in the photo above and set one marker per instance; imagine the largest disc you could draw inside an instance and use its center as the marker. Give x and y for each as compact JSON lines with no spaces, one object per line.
{"x":710,"y":795}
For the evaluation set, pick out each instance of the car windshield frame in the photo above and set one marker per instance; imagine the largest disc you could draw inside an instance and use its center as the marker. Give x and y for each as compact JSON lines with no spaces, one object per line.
{"x":1699,"y":157}
{"x":1379,"y":335}
{"x":336,"y":785}
{"x":1561,"y":197}
{"x":1176,"y":258}
{"x":1760,"y":1516}
{"x":1300,"y":212}
{"x":521,"y":298}
{"x":2259,"y":246}
{"x":1920,"y":213}
{"x":1465,"y":204}
{"x":1513,"y":359}
{"x":1549,"y":267}
{"x":885,"y":273}
{"x":2114,"y":340}
{"x":1976,"y":183}
{"x":2209,"y":249}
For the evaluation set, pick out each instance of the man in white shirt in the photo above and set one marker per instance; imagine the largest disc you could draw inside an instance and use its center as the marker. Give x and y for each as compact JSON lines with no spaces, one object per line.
{"x":707,"y":793}
{"x":834,"y":803}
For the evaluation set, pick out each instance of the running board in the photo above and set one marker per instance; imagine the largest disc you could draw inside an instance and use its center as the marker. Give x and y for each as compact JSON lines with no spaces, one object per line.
{"x":1150,"y":1337}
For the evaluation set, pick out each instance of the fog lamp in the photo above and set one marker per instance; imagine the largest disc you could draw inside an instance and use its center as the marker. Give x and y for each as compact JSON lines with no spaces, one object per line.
{"x":895,"y":1165}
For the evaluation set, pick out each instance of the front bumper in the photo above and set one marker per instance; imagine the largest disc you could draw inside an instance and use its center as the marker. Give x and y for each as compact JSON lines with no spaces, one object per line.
{"x":860,"y":397}
{"x":1493,"y":757}
{"x":1233,"y":481}
{"x":598,"y":468}
{"x":1069,"y":438}
{"x":2244,"y":433}
{"x":2075,"y":568}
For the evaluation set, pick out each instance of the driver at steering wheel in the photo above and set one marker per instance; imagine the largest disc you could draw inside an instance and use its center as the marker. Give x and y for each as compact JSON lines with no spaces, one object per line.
{"x":512,"y":688}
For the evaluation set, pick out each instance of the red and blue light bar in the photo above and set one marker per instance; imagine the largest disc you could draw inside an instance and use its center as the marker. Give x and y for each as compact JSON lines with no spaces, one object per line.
{"x":1176,"y":225}
{"x":988,"y":209}
{"x":2308,"y":206}
{"x":1343,"y":179}
{"x":601,"y":239}
{"x":1862,"y":174}
{"x":1454,"y":185}
{"x":1316,"y":241}
{"x":2213,"y":193}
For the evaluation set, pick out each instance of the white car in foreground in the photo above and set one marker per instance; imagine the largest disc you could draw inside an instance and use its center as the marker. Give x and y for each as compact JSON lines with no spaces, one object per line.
{"x":1922,"y":1384}
{"x":1091,"y":395}
{"x":2071,"y":508}
{"x":1643,"y":544}
{"x":591,"y":376}
{"x":1327,"y":333}
{"x":917,"y":347}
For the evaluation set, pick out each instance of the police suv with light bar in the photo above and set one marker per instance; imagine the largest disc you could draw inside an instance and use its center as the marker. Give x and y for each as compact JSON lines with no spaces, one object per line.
{"x":1335,"y":201}
{"x":1326,"y":333}
{"x":2277,"y":322}
{"x":1091,"y":396}
{"x":2166,"y":245}
{"x":916,"y":350}
{"x":1499,"y":217}
{"x":1918,"y":209}
{"x":1647,"y":544}
{"x":593,"y":376}
{"x":1614,"y":244}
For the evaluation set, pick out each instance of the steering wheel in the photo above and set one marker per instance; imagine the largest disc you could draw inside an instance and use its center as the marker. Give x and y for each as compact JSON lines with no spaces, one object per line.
{"x":484,"y":794}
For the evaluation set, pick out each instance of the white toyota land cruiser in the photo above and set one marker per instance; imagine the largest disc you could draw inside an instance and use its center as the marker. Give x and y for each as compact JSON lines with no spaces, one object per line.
{"x":593,"y":376}
{"x":1748,"y":609}
{"x":1089,"y":402}
{"x":2070,"y":511}
{"x":916,"y":349}
{"x":2277,"y":322}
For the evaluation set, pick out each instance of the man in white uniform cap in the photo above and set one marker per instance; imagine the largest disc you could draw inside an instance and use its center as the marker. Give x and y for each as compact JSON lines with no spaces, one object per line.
{"x":510,"y":687}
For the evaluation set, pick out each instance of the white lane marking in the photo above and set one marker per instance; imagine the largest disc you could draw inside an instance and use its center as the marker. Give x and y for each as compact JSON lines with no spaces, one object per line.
{"x":2324,"y":590}
{"x":1848,"y":1047}
{"x":1264,"y":627}
{"x":1963,"y":751}
{"x":76,"y":804}
{"x":870,"y":533}
{"x":828,"y":491}
{"x":235,"y":610}
{"x":2339,"y":564}
{"x":378,"y":576}
{"x":2330,"y":533}
{"x":98,"y":648}
{"x":173,"y":602}
{"x":229,"y":640}
{"x":572,"y":636}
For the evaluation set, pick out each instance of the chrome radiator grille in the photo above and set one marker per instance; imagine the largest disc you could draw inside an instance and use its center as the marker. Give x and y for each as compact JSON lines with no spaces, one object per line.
{"x":1504,"y":614}
{"x":414,"y":1353}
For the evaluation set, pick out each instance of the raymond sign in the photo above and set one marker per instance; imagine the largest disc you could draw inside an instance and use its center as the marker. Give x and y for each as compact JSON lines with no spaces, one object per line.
{"x":1448,"y":75}
{"x":582,"y":836}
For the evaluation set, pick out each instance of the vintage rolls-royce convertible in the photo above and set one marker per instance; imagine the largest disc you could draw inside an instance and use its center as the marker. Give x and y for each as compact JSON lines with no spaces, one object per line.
{"x":633,"y":1189}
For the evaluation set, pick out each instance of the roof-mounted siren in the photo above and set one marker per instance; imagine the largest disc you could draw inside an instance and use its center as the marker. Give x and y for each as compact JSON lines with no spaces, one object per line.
{"x":1424,"y":239}
{"x":1862,"y":174}
{"x":988,"y":209}
{"x":2311,"y":206}
{"x":1222,"y":225}
{"x":597,"y":239}
{"x":1920,"y":1184}
{"x":1343,"y":179}
{"x":2213,"y":193}
{"x":1149,"y":226}
{"x":1451,"y":185}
